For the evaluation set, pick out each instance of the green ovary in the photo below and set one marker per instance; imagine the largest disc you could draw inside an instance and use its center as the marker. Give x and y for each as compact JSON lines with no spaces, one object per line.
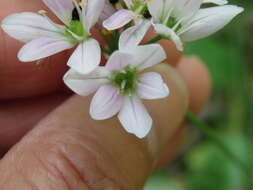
{"x":126,"y":80}
{"x":76,"y":27}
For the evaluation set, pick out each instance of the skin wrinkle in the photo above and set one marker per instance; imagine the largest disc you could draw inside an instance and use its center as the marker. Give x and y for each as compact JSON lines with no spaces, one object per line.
{"x":50,"y":171}
{"x":92,"y":151}
{"x":140,"y":149}
{"x":84,"y":147}
{"x":72,"y":165}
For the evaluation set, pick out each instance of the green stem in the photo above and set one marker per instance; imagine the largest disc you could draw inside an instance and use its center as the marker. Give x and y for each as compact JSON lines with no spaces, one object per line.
{"x":211,"y":135}
{"x":155,"y":39}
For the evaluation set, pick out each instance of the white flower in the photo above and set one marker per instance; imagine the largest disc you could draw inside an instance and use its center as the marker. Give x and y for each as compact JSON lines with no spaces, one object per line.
{"x":185,"y":20}
{"x":124,"y":16}
{"x":121,"y":85}
{"x":44,"y":38}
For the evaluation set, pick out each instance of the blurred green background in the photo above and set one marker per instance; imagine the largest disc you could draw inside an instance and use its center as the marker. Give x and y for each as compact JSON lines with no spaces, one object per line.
{"x":201,"y":165}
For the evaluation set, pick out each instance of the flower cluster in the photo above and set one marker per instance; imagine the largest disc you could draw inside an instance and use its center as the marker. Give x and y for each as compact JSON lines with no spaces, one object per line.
{"x":120,"y":85}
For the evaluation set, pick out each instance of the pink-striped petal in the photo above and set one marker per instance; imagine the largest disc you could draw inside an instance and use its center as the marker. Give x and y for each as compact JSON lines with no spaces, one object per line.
{"x":119,"y":60}
{"x":42,"y":47}
{"x":134,"y":117}
{"x":208,"y":21}
{"x":86,"y":57}
{"x":106,"y":103}
{"x":133,"y":35}
{"x":108,"y":11}
{"x":91,"y":12}
{"x":85,"y":85}
{"x":147,"y":55}
{"x":118,"y":19}
{"x":62,"y":9}
{"x":151,"y":86}
{"x":28,"y":26}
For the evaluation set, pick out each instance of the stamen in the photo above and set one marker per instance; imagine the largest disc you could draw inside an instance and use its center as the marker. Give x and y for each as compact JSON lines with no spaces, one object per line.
{"x":42,"y":12}
{"x":185,"y":28}
{"x":123,"y":84}
{"x":83,"y":4}
{"x":78,"y":38}
{"x":140,"y":8}
{"x":135,"y":15}
{"x":168,"y":15}
{"x":178,"y":23}
{"x":118,"y":6}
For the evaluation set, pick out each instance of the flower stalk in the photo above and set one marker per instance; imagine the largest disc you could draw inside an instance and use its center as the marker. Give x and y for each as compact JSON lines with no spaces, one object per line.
{"x":211,"y":135}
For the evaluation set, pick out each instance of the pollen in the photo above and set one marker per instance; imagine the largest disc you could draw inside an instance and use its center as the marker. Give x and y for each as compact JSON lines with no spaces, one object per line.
{"x":106,"y":32}
{"x":42,"y":12}
{"x":135,"y":16}
{"x":83,"y":4}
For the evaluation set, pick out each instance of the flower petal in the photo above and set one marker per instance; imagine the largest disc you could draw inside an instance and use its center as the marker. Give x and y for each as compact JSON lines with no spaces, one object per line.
{"x":118,"y":19}
{"x":151,"y":86}
{"x":85,"y":85}
{"x":208,"y":21}
{"x":134,"y":117}
{"x":42,"y":47}
{"x":133,"y":35}
{"x":62,"y":9}
{"x":217,"y":2}
{"x":186,"y":8}
{"x":119,"y":60}
{"x":156,"y":9}
{"x":106,"y":103}
{"x":86,"y":57}
{"x":108,"y":11}
{"x":91,"y":12}
{"x":147,"y":55}
{"x":163,"y":30}
{"x":28,"y":26}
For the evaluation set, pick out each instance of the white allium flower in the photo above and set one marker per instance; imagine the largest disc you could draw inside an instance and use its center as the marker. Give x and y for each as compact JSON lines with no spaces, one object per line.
{"x":44,"y":38}
{"x":185,"y":20}
{"x":122,"y":83}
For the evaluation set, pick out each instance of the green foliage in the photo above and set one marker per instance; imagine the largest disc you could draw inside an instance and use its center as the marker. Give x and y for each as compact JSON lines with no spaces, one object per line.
{"x":211,"y":169}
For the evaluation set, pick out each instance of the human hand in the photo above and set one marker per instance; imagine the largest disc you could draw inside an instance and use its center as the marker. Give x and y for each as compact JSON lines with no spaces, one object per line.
{"x":66,"y":149}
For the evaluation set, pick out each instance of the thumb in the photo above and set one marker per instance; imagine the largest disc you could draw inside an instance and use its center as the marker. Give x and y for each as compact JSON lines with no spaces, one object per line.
{"x":69,"y":150}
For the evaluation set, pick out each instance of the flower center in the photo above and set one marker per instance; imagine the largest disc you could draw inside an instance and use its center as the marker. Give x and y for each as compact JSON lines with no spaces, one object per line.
{"x":76,"y":27}
{"x":75,"y":31}
{"x":125,"y":80}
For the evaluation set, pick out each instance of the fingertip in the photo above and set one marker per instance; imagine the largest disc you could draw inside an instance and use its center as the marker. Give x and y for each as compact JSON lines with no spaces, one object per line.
{"x":167,"y":113}
{"x":198,"y":81}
